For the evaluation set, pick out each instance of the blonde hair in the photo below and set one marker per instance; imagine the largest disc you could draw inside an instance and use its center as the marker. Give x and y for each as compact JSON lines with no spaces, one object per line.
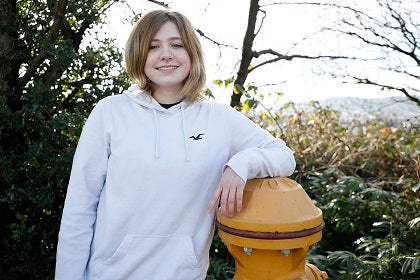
{"x":138,"y":44}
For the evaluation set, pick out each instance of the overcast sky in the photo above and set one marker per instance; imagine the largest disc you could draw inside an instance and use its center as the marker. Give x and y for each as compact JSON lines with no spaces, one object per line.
{"x":284,"y":26}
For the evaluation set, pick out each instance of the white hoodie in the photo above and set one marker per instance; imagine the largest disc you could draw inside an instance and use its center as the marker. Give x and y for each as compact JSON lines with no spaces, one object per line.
{"x":141,"y":182}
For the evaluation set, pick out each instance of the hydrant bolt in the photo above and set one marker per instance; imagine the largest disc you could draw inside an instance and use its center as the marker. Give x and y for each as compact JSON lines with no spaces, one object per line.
{"x":285,"y":252}
{"x":248,"y":251}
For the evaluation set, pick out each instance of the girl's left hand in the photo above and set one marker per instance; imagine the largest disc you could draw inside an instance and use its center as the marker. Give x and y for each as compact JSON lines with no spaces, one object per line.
{"x":230,"y":190}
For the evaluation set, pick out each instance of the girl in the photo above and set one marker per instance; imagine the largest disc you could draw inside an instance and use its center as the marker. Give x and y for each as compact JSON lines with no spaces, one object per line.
{"x":153,"y":163}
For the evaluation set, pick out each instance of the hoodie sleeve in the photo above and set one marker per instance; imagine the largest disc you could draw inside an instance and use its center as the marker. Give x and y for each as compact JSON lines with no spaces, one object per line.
{"x":86,"y":181}
{"x":255,"y":153}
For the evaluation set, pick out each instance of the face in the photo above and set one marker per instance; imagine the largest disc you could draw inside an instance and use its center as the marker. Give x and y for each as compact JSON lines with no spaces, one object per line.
{"x":167,"y":63}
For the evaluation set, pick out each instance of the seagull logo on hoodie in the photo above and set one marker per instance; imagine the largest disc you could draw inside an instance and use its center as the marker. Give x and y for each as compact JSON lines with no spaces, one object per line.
{"x":198,"y":137}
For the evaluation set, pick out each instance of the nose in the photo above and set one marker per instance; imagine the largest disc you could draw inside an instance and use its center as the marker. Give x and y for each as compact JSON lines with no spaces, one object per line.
{"x":166,"y":54}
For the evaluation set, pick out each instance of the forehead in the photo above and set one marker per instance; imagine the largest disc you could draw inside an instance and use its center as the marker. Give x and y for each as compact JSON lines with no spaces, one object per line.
{"x":168,"y":30}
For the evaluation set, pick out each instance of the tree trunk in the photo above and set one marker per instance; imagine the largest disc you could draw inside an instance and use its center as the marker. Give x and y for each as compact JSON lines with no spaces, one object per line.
{"x":8,"y":70}
{"x":247,"y":55}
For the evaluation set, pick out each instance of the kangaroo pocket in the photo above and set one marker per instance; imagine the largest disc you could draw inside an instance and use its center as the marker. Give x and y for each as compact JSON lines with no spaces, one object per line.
{"x":152,"y":257}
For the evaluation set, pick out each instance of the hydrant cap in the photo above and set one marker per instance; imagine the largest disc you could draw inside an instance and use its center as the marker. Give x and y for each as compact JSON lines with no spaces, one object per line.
{"x":274,"y":205}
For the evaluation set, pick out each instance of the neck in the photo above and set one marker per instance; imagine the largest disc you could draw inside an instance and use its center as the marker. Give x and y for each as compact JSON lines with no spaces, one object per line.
{"x":167,"y":95}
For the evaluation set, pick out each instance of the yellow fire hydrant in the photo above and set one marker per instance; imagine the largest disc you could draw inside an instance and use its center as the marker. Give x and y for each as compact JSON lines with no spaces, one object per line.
{"x":270,"y":238}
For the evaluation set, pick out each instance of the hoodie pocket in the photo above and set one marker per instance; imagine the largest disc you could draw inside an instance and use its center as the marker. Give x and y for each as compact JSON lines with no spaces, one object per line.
{"x":153,"y":257}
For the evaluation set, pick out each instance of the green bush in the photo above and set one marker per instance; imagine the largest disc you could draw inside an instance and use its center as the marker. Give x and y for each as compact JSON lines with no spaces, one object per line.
{"x":370,"y":233}
{"x":364,"y":176}
{"x":57,"y":79}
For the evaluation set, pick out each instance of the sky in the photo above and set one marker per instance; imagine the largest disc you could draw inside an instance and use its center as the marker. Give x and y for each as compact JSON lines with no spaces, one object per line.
{"x":284,"y":26}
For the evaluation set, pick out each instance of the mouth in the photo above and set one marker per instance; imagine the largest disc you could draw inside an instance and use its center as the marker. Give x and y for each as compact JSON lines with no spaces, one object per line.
{"x":167,"y":67}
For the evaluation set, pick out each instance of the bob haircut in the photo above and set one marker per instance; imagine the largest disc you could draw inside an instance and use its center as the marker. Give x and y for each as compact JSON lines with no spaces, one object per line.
{"x":138,"y":44}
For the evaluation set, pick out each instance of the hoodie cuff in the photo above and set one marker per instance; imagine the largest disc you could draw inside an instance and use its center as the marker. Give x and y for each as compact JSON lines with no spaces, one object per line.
{"x":239,"y":166}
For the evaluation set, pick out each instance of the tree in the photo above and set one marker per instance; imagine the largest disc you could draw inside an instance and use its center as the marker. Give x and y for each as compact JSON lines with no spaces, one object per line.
{"x":53,"y":69}
{"x":249,"y":53}
{"x":390,"y":30}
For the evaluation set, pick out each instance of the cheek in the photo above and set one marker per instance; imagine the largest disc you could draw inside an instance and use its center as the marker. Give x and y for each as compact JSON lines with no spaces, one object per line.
{"x":149,"y":64}
{"x":189,"y":68}
{"x":187,"y":61}
{"x":149,"y":60}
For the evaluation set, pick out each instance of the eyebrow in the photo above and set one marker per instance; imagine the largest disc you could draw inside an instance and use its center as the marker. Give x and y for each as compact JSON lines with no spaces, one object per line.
{"x":169,"y":39}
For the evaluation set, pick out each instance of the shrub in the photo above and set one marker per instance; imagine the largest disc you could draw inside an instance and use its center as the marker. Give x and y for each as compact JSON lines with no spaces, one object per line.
{"x":370,"y":233}
{"x":321,"y":140}
{"x":364,"y":176}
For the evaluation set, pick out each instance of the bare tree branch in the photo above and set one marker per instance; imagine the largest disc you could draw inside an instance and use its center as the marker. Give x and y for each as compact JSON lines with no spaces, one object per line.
{"x":279,"y":57}
{"x":364,"y":17}
{"x":202,"y":34}
{"x":160,"y":3}
{"x":393,"y":30}
{"x":219,"y":45}
{"x":389,"y":87}
{"x":262,"y":22}
{"x":389,"y":31}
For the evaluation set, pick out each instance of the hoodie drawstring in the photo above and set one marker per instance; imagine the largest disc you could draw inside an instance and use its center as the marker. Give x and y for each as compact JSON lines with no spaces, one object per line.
{"x":157,"y":135}
{"x":187,"y":151}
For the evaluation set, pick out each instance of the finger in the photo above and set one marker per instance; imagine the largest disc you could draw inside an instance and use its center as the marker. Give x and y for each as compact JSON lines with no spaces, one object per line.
{"x":215,"y":198}
{"x":231,"y":201}
{"x":239,"y":198}
{"x":224,"y":201}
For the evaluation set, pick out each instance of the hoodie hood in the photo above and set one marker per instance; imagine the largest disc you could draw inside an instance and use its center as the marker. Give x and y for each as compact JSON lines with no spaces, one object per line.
{"x":135,"y":94}
{"x":145,"y":100}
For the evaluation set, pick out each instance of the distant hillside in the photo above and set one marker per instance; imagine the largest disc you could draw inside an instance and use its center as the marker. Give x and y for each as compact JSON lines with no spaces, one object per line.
{"x":396,"y":110}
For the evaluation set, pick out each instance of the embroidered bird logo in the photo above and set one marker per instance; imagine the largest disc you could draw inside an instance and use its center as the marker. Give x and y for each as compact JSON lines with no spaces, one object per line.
{"x":198,"y":137}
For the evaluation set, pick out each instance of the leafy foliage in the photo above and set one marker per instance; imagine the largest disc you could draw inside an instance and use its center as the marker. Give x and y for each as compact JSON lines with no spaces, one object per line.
{"x":221,"y":262}
{"x":58,"y":79}
{"x":364,"y":176}
{"x":369,"y":231}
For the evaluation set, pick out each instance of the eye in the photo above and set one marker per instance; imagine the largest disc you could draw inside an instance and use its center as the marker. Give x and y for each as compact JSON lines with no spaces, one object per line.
{"x":151,"y":47}
{"x":177,"y":45}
